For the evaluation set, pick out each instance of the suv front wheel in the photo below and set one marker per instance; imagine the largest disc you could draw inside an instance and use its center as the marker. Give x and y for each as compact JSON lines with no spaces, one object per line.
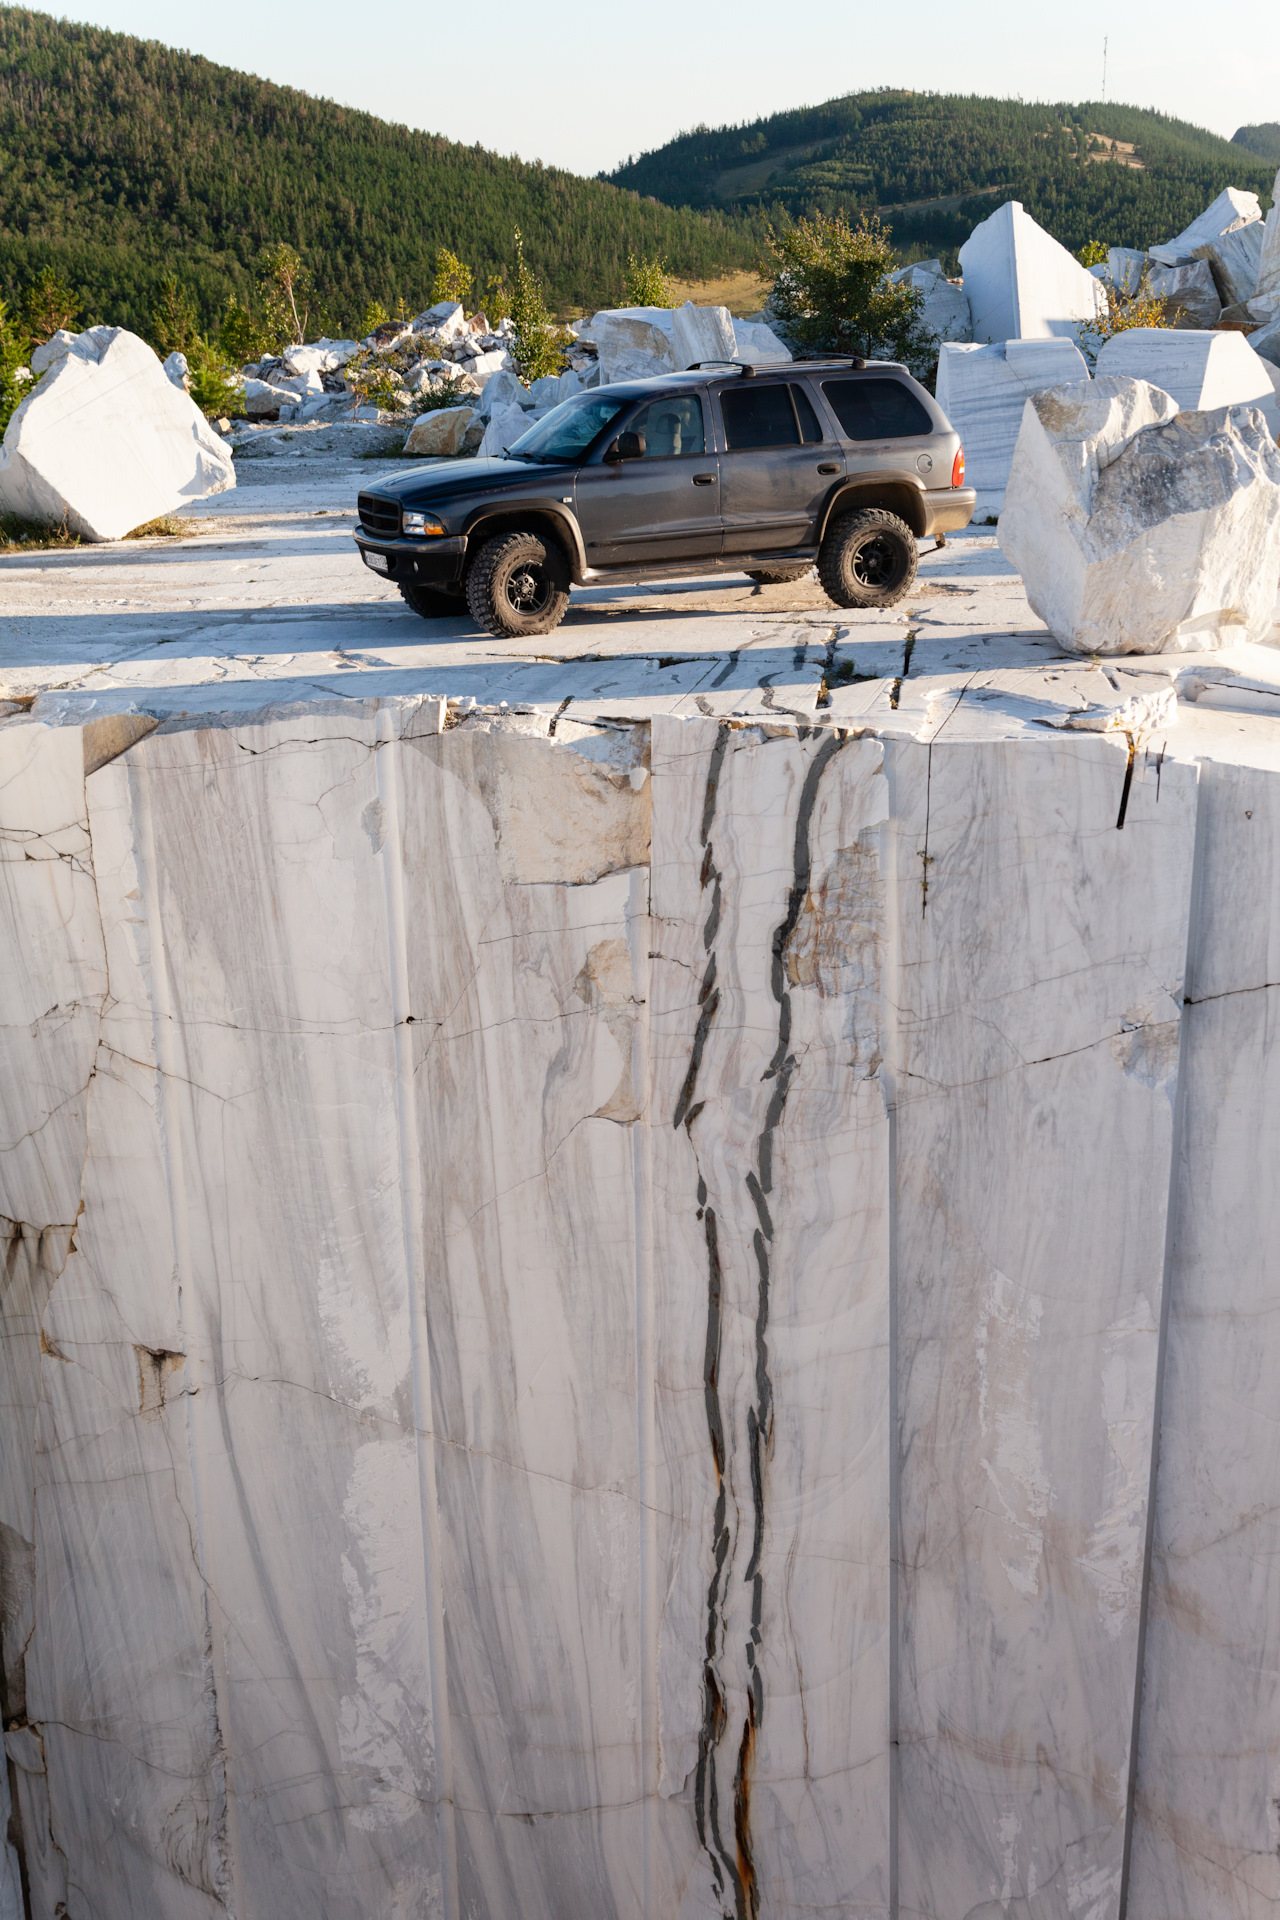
{"x":867,"y":559}
{"x":518,"y":585}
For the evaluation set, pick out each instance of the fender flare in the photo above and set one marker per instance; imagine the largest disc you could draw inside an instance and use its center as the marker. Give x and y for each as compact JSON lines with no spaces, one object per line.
{"x":498,"y":515}
{"x":848,"y":493}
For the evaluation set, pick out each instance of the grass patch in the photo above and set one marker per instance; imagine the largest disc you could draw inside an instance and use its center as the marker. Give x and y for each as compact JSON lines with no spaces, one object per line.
{"x":168,"y":527}
{"x":26,"y":536}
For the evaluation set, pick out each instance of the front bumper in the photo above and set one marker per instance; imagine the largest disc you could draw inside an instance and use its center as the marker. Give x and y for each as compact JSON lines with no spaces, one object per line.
{"x":948,"y":509}
{"x":434,"y":562}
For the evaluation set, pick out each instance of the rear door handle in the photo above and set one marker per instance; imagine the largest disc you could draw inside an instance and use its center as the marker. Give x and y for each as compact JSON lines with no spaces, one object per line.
{"x":704,"y":479}
{"x":827,"y":466}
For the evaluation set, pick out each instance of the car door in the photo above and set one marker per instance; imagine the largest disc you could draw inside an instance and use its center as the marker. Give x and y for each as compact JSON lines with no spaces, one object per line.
{"x":777,"y":466}
{"x":884,"y":425}
{"x":663,"y":505}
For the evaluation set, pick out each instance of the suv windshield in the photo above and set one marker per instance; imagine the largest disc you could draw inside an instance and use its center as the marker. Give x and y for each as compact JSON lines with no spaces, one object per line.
{"x":568,"y":429}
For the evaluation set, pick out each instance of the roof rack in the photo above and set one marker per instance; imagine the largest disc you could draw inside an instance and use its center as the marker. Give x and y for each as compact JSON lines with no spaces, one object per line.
{"x":749,"y":372}
{"x":741,"y":366}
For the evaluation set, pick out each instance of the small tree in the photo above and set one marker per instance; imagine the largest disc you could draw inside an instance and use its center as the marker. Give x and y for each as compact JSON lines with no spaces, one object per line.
{"x":239,"y":337}
{"x":497,"y":300}
{"x":375,"y":316}
{"x":210,"y":381}
{"x":15,"y":347}
{"x":48,"y":304}
{"x":1140,"y":309}
{"x":539,"y":345}
{"x":832,"y":294}
{"x":452,"y":281}
{"x":1092,"y":254}
{"x":646,"y":284}
{"x":174,"y":321}
{"x":283,"y":283}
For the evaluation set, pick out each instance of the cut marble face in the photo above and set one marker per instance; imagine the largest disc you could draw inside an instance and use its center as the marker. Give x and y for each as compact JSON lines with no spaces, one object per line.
{"x":584,"y":1311}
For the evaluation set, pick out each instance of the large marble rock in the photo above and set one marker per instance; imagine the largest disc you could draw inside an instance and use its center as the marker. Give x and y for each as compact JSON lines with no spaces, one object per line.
{"x":1200,"y":370}
{"x":983,"y":389}
{"x":1141,"y":529}
{"x":633,"y":343}
{"x":584,"y":1320}
{"x":945,"y":309}
{"x":1236,"y":260}
{"x":1264,"y":303}
{"x":321,"y":356}
{"x":1020,"y":284}
{"x":756,"y":343}
{"x":440,"y":433}
{"x":1190,"y":294}
{"x":1233,"y":209}
{"x":105,"y":441}
{"x":505,"y":424}
{"x":701,"y":334}
{"x":1126,"y":267}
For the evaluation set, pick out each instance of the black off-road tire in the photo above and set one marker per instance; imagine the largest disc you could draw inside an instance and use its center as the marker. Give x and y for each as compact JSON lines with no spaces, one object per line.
{"x":518,"y":585}
{"x":780,"y":576}
{"x":867,"y":559}
{"x":430,"y":603}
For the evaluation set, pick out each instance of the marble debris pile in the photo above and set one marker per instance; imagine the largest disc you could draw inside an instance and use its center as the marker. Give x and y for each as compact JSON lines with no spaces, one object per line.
{"x":639,"y":343}
{"x":595,"y":1316}
{"x":1139,"y":528}
{"x":106,"y":440}
{"x":1020,"y":284}
{"x":983,"y":389}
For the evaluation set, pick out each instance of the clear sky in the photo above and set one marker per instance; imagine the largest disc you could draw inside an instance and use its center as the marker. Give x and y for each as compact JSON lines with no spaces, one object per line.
{"x":583,"y":86}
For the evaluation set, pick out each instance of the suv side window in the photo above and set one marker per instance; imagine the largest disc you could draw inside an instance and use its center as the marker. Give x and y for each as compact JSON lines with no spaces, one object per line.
{"x":876,"y":409}
{"x":670,"y":426}
{"x":758,"y":416}
{"x":809,"y":428}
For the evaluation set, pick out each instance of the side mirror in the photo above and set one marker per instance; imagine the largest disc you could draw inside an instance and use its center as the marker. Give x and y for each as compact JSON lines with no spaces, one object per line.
{"x":627,"y":446}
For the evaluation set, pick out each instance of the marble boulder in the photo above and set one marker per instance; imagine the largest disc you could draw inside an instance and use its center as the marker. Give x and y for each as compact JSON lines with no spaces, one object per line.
{"x":983,"y":389}
{"x":1264,"y":302}
{"x":1235,"y":259}
{"x":632,"y":343}
{"x":1190,"y":294}
{"x":1233,"y":209}
{"x":1141,"y":529}
{"x":1200,"y":369}
{"x":945,"y":309}
{"x":756,"y":343}
{"x":320,"y":356}
{"x":700,"y":334}
{"x":1125,"y":269}
{"x":442,"y":432}
{"x":505,"y":424}
{"x":1020,"y":284}
{"x":105,"y":441}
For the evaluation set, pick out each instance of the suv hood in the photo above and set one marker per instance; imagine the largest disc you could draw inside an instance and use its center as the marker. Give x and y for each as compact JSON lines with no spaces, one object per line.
{"x":413,"y":486}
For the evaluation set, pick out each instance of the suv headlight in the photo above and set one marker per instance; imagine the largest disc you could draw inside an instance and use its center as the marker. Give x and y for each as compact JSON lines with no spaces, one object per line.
{"x":420,"y":523}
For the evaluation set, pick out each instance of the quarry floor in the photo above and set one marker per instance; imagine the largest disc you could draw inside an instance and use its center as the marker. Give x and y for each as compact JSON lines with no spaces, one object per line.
{"x":268,"y":601}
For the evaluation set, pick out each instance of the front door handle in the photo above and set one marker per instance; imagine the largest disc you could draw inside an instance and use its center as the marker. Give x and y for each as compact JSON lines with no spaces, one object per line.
{"x":828,"y":466}
{"x":704,"y":479}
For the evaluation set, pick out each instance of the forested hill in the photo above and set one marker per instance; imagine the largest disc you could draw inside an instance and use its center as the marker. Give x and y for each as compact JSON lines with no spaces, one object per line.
{"x":121,"y":160}
{"x":1264,"y":139}
{"x":943,"y":161}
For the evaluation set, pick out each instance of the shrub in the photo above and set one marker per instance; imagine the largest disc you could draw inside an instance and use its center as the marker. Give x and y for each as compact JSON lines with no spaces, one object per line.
{"x":239,"y":337}
{"x":452,"y":281}
{"x":373,"y":380}
{"x":1092,"y":254}
{"x":831,"y":292}
{"x":375,"y":315}
{"x":646,"y":283}
{"x":174,"y":321}
{"x":283,"y":281}
{"x":539,"y":345}
{"x":15,"y":347}
{"x":212,"y":386}
{"x":1140,"y":309}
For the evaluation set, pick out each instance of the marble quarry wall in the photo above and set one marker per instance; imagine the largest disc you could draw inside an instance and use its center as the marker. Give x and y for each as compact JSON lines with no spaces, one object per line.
{"x":588,"y":1321}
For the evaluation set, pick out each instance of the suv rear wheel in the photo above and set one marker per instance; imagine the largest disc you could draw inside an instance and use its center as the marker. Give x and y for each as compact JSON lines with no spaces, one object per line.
{"x":518,"y":584}
{"x":430,"y":603}
{"x":867,"y":559}
{"x":779,"y":576}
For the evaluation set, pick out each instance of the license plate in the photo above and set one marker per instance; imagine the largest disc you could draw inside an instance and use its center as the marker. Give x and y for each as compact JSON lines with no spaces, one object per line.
{"x":378,"y":561}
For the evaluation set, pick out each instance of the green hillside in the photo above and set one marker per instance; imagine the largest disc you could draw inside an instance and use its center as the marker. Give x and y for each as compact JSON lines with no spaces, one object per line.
{"x":936,"y":164}
{"x":121,"y":160}
{"x":1264,"y":139}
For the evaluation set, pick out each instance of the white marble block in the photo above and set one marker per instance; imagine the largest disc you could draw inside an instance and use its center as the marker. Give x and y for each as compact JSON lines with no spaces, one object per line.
{"x":701,"y":334}
{"x":1264,"y":302}
{"x":582,"y":1317}
{"x":106,"y":441}
{"x":1189,"y":291}
{"x":945,"y":309}
{"x":1140,"y":529}
{"x":1202,"y":370}
{"x":1233,"y":209}
{"x":756,"y":343}
{"x":1021,"y":284}
{"x":982,"y":391}
{"x":1236,"y":260}
{"x":634,"y":343}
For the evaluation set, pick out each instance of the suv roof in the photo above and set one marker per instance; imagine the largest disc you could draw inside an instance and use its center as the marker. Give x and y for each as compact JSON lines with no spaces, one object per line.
{"x":741,"y":369}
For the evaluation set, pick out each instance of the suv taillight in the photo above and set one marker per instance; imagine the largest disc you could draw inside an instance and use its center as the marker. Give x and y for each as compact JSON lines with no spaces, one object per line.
{"x":957,"y":468}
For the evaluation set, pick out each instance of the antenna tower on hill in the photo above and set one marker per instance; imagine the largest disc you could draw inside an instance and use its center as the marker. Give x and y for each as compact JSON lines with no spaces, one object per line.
{"x":1104,"y":67}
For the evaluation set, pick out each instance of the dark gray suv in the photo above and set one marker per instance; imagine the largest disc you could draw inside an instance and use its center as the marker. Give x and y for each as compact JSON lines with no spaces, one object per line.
{"x":724,"y":469}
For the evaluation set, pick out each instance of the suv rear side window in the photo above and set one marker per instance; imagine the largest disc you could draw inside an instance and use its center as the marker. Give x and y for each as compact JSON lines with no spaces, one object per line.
{"x":756,"y":416}
{"x":876,"y":409}
{"x":670,"y":426}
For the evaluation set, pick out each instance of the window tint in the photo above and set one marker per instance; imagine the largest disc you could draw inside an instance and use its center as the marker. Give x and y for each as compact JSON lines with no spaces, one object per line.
{"x":876,"y":409}
{"x":756,"y":416}
{"x":809,"y":428}
{"x":671,"y":425}
{"x":568,"y":430}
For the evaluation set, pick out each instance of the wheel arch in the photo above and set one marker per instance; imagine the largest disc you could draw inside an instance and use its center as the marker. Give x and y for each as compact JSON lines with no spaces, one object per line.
{"x":541,"y":517}
{"x":899,"y":495}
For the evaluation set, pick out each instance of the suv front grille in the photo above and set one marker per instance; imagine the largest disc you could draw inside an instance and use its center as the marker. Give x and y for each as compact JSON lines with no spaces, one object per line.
{"x":379,"y":517}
